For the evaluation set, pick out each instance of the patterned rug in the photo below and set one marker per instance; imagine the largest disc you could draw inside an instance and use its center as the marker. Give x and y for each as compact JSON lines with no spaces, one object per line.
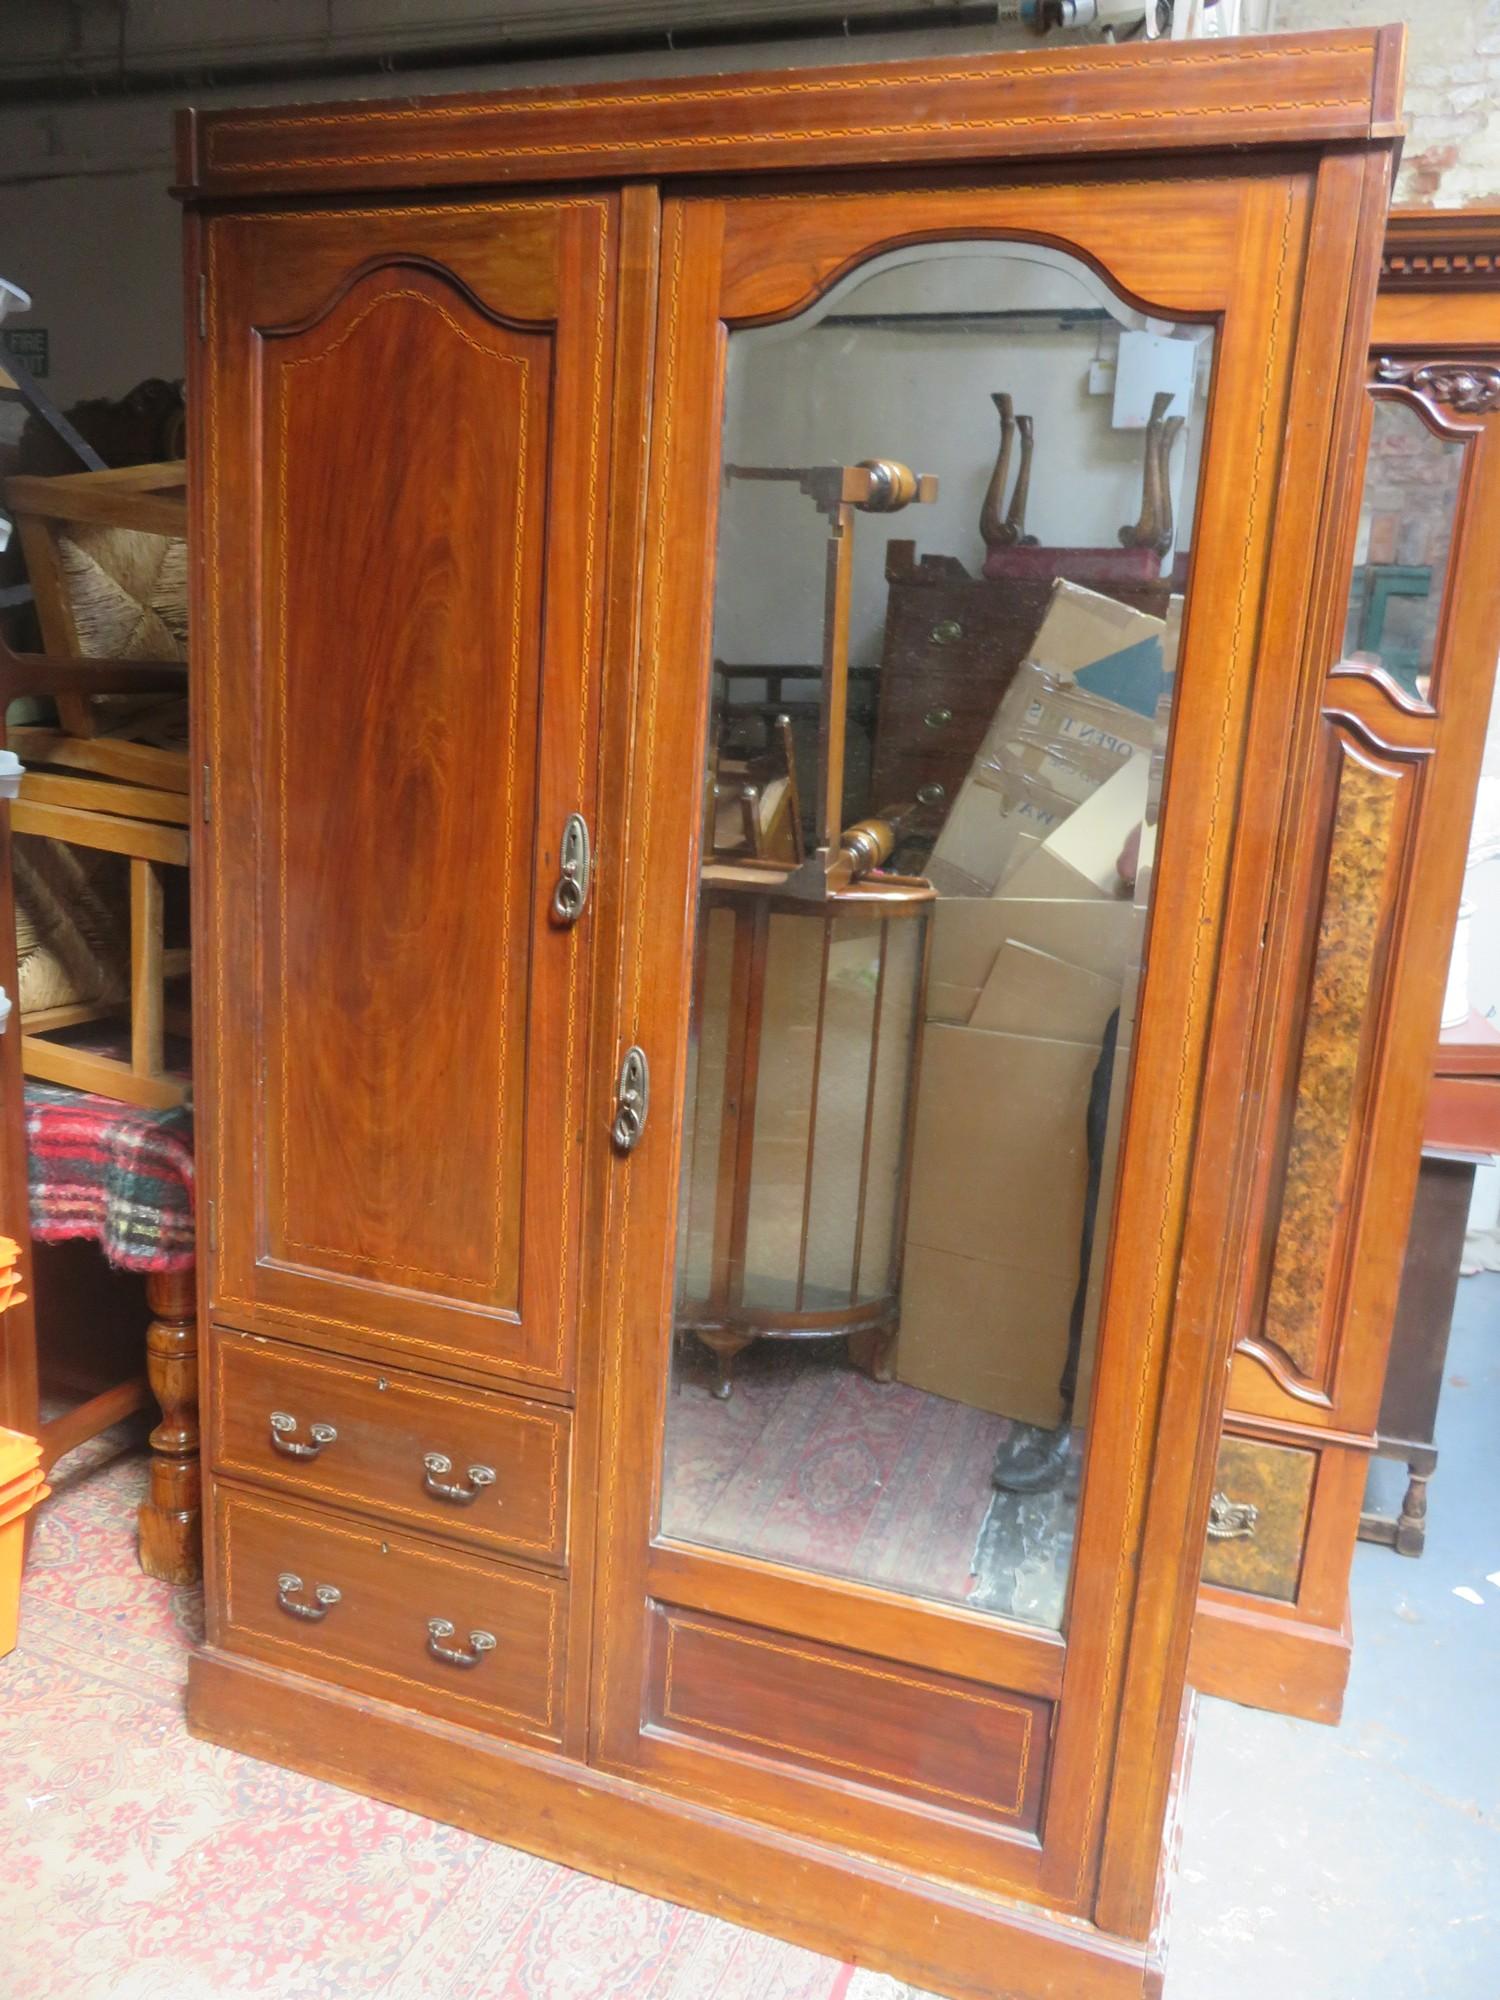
{"x":810,"y":1462}
{"x":141,"y":1865}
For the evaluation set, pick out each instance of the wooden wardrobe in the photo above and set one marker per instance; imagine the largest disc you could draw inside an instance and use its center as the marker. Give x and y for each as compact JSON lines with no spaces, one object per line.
{"x":1384,"y":839}
{"x":466,"y":379}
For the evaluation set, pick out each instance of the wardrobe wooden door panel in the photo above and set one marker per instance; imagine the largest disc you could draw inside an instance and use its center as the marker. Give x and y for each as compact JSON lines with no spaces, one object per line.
{"x":400,"y":721}
{"x":768,"y":1591}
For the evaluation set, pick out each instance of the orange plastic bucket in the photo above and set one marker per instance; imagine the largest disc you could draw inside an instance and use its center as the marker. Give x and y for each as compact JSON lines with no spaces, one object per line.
{"x":22,"y":1487}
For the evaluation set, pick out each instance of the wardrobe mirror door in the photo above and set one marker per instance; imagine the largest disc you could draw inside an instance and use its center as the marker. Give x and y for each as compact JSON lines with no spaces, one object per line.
{"x":954,"y":533}
{"x":1406,"y":525}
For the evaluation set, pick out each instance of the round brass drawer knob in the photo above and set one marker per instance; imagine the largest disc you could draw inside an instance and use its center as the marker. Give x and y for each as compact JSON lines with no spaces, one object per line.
{"x":938,"y":718}
{"x":946,"y":632}
{"x":931,"y":795}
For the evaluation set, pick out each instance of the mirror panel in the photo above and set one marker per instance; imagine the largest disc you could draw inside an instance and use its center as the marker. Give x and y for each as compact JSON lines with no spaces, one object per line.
{"x":954,"y":530}
{"x":1406,"y":523}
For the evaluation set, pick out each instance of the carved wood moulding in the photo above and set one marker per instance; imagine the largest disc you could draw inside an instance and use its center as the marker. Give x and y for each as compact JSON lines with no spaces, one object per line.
{"x":1470,"y":387}
{"x":1428,"y":250}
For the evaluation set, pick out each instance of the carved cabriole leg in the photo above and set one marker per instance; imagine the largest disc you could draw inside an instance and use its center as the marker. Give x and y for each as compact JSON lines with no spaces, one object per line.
{"x":873,"y":1351}
{"x":170,"y":1520}
{"x":724,"y":1345}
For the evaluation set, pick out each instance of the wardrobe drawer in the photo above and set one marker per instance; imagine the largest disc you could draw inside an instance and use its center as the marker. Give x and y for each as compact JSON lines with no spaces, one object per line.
{"x":426,"y":1455}
{"x":456,"y":1635}
{"x":1262,"y":1493}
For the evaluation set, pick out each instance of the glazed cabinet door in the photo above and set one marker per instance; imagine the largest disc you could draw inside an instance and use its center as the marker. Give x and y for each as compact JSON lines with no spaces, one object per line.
{"x":403,"y":411}
{"x":963,"y":520}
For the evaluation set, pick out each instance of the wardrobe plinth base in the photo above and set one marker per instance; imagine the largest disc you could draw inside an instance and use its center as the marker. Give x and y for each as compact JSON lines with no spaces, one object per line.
{"x":1289,"y":1666}
{"x":930,"y":1935}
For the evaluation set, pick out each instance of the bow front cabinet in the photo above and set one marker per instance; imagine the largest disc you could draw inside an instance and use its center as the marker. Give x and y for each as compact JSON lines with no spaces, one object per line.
{"x":723,"y":1248}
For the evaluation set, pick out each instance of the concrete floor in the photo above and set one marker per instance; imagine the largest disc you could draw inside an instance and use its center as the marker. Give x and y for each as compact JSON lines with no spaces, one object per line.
{"x":1363,"y":1862}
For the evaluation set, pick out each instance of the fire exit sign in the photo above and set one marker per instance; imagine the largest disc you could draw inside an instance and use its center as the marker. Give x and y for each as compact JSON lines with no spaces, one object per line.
{"x":30,"y":346}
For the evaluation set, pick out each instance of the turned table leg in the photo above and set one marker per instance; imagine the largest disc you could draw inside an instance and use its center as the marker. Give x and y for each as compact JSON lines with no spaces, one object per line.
{"x":170,"y":1525}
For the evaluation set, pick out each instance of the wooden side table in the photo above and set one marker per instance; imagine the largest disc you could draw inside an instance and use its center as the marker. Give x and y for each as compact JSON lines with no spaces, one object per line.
{"x":1462,"y":1130}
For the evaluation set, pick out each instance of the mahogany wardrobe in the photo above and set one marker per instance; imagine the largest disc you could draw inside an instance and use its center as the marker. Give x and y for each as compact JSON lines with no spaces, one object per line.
{"x":685,"y":1393}
{"x":1385,"y":835}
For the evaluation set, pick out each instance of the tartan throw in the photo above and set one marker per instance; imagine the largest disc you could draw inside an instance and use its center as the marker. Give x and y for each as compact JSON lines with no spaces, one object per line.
{"x":113,"y":1172}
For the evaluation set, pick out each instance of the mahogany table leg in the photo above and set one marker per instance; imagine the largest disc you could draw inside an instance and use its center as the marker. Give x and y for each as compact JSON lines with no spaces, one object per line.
{"x":171,"y":1545}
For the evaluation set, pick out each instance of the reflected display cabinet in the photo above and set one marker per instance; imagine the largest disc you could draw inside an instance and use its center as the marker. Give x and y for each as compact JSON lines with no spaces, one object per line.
{"x":723,"y":1262}
{"x":1401,"y":735}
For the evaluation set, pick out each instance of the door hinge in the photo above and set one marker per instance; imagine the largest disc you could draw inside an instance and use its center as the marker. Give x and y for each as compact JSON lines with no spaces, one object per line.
{"x":213,"y":1227}
{"x":203,"y":305}
{"x":208,"y":795}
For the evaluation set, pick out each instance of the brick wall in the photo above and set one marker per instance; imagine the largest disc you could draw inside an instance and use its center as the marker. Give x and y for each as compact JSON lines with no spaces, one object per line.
{"x":1452,"y":156}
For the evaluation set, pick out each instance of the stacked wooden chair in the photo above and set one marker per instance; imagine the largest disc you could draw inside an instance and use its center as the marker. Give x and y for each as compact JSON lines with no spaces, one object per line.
{"x":91,"y":882}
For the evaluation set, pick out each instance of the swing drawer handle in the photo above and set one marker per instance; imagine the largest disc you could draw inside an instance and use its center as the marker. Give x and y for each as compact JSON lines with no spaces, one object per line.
{"x":283,"y":1428}
{"x":437,"y":1465}
{"x":441,"y":1629}
{"x":325,"y":1596}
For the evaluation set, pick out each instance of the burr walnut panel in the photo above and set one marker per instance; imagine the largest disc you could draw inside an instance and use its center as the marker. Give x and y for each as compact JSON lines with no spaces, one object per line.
{"x":1261,"y":1497}
{"x":1354,"y":929}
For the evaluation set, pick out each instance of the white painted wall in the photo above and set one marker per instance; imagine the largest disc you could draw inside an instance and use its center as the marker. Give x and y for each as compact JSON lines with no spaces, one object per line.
{"x":821,"y":393}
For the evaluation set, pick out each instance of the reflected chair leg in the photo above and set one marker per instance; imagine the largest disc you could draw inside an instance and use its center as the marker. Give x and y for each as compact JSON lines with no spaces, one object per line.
{"x":724,"y":1346}
{"x":171,"y":1539}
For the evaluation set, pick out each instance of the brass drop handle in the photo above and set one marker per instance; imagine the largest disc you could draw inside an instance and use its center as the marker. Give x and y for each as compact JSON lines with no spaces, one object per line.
{"x":284,"y":1439}
{"x":632,"y":1100}
{"x":325,"y":1596}
{"x":576,"y":865}
{"x":441,"y":1629}
{"x":436,"y":1467}
{"x":1232,"y":1520}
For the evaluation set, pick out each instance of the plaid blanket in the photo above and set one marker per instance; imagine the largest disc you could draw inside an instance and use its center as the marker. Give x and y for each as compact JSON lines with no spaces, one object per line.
{"x":113,"y":1172}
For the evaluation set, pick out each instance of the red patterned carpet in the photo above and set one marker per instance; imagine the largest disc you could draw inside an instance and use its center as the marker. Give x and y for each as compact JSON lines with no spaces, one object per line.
{"x":137,"y":1864}
{"x":811,"y":1462}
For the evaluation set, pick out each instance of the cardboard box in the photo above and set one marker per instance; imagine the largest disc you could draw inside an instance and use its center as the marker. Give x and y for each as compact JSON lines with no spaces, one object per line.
{"x":999,"y":1174}
{"x":1083,"y":703}
{"x":948,"y":1343}
{"x":1030,"y":992}
{"x":1080,"y":857}
{"x":967,"y":933}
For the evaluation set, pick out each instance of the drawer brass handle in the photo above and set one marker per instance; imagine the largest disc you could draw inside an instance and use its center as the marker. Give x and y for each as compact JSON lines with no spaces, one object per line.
{"x":931,"y":795}
{"x":325,"y":1596}
{"x":946,"y":632}
{"x":938,"y":718}
{"x":283,"y":1428}
{"x":439,"y":1629}
{"x":437,"y":1465}
{"x":1231,"y":1520}
{"x":572,"y":890}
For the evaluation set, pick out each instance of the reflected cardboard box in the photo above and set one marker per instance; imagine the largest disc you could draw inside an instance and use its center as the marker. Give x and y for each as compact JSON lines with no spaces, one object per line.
{"x":1082,"y":705}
